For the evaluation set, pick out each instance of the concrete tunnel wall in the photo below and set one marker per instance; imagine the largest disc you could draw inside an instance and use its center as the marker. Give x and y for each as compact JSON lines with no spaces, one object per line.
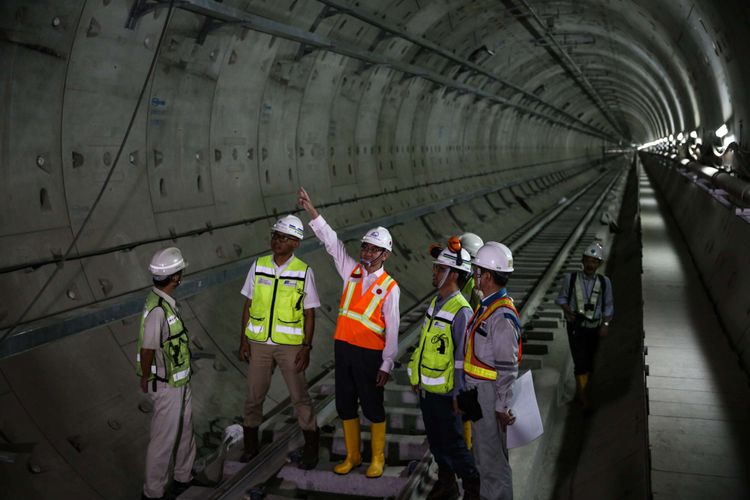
{"x":230,"y":127}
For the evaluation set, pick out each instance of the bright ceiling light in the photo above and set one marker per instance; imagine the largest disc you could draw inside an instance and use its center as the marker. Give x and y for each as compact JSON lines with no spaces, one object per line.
{"x":722,"y":131}
{"x":694,"y":134}
{"x":680,"y":136}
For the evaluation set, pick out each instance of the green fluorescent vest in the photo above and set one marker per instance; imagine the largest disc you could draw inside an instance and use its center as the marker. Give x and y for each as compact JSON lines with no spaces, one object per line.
{"x":471,"y":294}
{"x":278,"y":303}
{"x":431,"y":366}
{"x":175,"y":349}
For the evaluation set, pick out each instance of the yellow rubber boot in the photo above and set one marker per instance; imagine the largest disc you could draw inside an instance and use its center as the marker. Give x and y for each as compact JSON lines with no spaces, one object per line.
{"x":467,"y":433}
{"x":352,"y":440}
{"x":377,"y":443}
{"x":581,"y":382}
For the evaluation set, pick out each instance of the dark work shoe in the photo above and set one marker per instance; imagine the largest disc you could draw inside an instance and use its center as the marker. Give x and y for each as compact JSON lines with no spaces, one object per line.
{"x":144,"y":497}
{"x":446,"y":487}
{"x":310,"y":451}
{"x":252,"y":446}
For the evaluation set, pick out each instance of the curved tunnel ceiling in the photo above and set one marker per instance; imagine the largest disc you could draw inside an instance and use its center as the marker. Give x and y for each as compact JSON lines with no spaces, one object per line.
{"x":382,"y":96}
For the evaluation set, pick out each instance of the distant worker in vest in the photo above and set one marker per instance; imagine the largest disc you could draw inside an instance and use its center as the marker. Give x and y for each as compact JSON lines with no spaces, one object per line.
{"x":471,"y":243}
{"x":163,"y":364}
{"x":366,"y":338}
{"x":586,"y":300}
{"x":492,"y":351}
{"x":436,"y":373}
{"x":278,"y":321}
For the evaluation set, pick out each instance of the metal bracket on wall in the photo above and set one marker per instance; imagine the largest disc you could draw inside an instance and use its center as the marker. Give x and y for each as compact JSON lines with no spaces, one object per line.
{"x":141,"y":8}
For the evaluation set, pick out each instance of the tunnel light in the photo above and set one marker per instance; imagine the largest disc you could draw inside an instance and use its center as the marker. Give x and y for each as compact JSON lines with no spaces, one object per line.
{"x":652,"y":143}
{"x":727,"y":140}
{"x":694,"y":134}
{"x":684,"y":162}
{"x":680,"y":136}
{"x":722,"y":131}
{"x":671,"y":137}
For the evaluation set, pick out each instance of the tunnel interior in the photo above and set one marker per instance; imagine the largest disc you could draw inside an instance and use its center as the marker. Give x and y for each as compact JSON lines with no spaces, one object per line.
{"x":128,"y":126}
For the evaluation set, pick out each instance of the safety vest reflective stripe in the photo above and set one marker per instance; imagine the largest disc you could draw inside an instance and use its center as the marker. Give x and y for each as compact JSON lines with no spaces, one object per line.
{"x":473,"y":366}
{"x":364,"y":320}
{"x":289,"y":330}
{"x":431,"y":381}
{"x":180,"y":375}
{"x":255,"y":328}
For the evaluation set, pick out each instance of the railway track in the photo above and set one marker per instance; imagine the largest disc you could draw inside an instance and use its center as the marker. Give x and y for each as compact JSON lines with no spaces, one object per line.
{"x":544,"y":248}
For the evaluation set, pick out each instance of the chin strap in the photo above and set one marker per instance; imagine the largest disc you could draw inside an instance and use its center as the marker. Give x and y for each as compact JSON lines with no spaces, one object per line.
{"x":445,"y":277}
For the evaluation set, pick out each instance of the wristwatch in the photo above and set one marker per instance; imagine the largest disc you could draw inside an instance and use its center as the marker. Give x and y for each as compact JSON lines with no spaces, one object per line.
{"x":309,"y":346}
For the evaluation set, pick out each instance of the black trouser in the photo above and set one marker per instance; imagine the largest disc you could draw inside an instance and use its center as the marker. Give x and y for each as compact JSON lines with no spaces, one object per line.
{"x":356,"y":372}
{"x":445,"y":433}
{"x":583,"y":343}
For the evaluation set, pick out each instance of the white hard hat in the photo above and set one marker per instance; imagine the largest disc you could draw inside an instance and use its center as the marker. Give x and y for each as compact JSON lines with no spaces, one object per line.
{"x":380,"y":237}
{"x":289,"y":224}
{"x":448,"y":258}
{"x":471,"y":242}
{"x":166,"y":262}
{"x":495,"y":257}
{"x":594,"y":250}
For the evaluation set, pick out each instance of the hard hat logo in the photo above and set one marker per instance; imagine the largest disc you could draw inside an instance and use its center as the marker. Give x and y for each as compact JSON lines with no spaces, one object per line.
{"x":380,"y":237}
{"x":290,"y":225}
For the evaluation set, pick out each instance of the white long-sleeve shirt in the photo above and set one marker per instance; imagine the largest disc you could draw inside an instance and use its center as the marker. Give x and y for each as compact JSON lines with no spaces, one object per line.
{"x":345,"y":265}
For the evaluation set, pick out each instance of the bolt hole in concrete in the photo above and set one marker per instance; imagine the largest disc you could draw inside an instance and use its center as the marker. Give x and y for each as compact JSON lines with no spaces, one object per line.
{"x":162,"y":187}
{"x":44,"y":202}
{"x":200,"y":184}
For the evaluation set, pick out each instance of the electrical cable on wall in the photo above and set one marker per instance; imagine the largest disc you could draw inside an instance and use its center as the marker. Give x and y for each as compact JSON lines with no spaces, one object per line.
{"x":99,"y":196}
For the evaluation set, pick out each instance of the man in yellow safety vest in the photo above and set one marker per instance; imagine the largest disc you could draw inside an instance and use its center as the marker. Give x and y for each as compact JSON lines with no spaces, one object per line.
{"x":163,"y":365}
{"x":436,"y":373}
{"x":278,"y":321}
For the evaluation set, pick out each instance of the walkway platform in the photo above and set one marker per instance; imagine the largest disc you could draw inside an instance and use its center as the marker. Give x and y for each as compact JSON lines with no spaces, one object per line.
{"x":698,"y":396}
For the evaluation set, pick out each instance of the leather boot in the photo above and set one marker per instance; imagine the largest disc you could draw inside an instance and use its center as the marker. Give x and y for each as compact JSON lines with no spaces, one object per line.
{"x":446,"y":487}
{"x":251,"y":443}
{"x":471,"y":488}
{"x":377,"y":443}
{"x":352,"y":439}
{"x":310,"y":451}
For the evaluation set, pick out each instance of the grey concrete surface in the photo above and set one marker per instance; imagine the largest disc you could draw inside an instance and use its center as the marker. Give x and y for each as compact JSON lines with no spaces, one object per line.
{"x":697,"y":392}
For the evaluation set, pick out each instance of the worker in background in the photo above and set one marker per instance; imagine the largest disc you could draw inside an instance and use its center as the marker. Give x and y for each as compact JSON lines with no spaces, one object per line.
{"x":436,"y":373}
{"x":492,"y":352}
{"x":471,"y":243}
{"x":366,"y":338}
{"x":278,"y":321}
{"x":163,"y":365}
{"x":586,"y":300}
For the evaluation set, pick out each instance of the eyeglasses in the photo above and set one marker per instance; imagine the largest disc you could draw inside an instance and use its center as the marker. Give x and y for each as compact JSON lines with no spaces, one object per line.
{"x":367,"y":248}
{"x":282,"y":237}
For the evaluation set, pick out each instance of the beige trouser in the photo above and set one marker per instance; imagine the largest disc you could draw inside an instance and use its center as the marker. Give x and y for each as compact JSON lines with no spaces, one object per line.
{"x":169,"y":438}
{"x":263,"y":358}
